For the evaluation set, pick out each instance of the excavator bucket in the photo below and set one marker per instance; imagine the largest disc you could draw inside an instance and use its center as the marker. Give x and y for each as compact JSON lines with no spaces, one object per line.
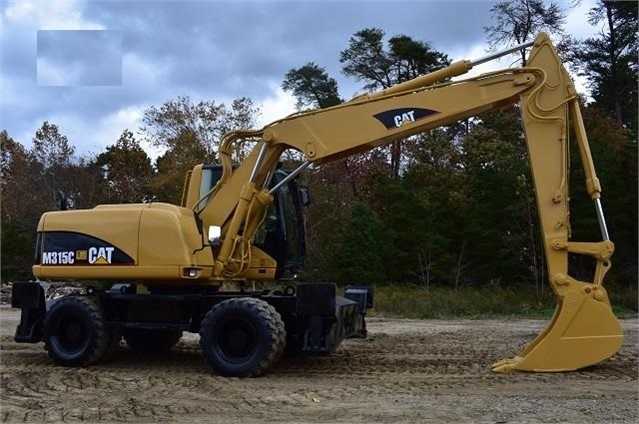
{"x":583,"y":332}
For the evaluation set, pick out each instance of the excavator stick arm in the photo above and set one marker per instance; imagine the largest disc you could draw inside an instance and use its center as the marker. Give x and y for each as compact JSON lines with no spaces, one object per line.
{"x":583,"y":330}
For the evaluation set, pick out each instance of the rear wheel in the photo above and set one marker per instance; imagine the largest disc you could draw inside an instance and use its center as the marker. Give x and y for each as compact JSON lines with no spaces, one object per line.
{"x":242,"y":337}
{"x":151,"y":340}
{"x":75,"y":333}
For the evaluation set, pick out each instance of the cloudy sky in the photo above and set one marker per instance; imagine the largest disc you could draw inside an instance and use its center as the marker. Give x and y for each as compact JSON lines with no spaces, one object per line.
{"x":93,"y":67}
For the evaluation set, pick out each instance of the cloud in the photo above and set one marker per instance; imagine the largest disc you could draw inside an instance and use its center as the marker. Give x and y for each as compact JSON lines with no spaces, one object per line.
{"x":79,"y":57}
{"x":48,"y":15}
{"x":276,"y":106}
{"x":213,"y":50}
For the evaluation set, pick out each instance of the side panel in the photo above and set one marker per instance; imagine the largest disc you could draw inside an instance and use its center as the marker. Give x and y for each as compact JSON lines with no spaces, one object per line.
{"x":71,"y":248}
{"x":110,"y":224}
{"x":122,"y":242}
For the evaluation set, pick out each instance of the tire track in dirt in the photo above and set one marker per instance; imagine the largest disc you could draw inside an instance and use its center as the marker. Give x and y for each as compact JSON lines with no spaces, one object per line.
{"x":404,"y":376}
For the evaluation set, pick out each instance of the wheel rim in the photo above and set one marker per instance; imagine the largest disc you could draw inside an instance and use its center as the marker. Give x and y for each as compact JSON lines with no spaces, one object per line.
{"x":71,"y":335}
{"x":236,"y":339}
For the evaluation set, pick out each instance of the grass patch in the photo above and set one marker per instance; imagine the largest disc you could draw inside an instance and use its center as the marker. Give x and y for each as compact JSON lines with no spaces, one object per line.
{"x":410,"y":301}
{"x":414,"y":302}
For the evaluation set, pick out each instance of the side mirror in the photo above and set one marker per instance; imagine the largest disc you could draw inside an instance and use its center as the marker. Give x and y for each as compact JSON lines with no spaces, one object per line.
{"x":305,"y":197}
{"x":215,"y":235}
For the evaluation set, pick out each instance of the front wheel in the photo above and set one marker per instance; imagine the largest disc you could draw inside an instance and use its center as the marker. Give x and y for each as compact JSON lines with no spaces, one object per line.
{"x":242,"y":337}
{"x":75,"y":333}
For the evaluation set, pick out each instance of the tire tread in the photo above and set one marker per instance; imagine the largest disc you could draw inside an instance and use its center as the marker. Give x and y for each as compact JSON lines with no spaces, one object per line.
{"x":99,"y":348}
{"x":267,"y":315}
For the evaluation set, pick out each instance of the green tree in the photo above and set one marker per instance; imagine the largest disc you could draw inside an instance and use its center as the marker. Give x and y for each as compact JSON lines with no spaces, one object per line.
{"x":362,"y":252}
{"x":312,"y":86}
{"x":615,"y":158}
{"x":18,"y":246}
{"x":405,"y":222}
{"x":501,"y":222}
{"x":436,"y":175}
{"x":366,"y":59}
{"x":326,"y":218}
{"x":609,"y":61}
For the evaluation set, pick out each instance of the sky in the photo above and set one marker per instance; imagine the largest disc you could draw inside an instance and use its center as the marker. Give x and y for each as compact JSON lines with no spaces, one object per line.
{"x":93,"y":67}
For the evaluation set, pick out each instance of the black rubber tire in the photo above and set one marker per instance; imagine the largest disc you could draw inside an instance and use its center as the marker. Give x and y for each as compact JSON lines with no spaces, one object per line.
{"x":150,"y":341}
{"x":242,"y":337}
{"x":75,"y":334}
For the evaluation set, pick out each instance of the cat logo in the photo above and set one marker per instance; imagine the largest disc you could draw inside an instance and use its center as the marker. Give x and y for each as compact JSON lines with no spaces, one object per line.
{"x":100,"y":255}
{"x":404,"y":118}
{"x":397,"y":118}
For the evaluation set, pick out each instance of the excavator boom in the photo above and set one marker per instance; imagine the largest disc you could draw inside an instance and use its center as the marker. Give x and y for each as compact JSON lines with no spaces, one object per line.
{"x":583,"y":330}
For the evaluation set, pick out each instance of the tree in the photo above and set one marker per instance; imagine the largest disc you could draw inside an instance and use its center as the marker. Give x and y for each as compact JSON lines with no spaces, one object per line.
{"x":500,"y":220}
{"x":88,"y":187}
{"x":615,"y":158}
{"x":51,"y":148}
{"x":363,"y":249}
{"x":52,"y":151}
{"x":311,"y":86}
{"x":405,"y":222}
{"x":205,"y":121}
{"x":191,"y":134}
{"x":171,"y":168}
{"x":519,"y":21}
{"x":367,"y":60}
{"x":609,"y":61}
{"x":14,"y":173}
{"x":20,"y":208}
{"x":333,"y":184}
{"x":127,"y":170}
{"x":436,"y":175}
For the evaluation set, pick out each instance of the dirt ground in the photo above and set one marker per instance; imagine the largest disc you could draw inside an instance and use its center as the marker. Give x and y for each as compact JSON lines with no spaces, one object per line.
{"x":407,"y":371}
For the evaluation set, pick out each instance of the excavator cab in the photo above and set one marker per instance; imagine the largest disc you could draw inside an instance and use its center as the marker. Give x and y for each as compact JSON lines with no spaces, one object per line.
{"x":282,"y":234}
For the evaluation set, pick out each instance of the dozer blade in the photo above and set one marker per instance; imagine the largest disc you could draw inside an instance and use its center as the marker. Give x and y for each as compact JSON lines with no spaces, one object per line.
{"x":582,"y":332}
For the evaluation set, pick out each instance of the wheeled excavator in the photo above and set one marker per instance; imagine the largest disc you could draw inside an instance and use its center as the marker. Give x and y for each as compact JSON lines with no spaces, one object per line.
{"x":152,"y":271}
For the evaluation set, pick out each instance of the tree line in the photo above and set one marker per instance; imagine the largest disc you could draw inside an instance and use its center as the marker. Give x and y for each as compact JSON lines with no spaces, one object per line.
{"x":451,"y":207}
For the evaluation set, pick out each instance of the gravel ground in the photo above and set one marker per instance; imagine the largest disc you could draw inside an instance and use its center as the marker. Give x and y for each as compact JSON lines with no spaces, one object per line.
{"x":407,"y":371}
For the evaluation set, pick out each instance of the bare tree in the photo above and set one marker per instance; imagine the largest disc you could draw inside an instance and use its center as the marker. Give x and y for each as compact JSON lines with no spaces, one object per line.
{"x":424,"y":256}
{"x":518,"y":21}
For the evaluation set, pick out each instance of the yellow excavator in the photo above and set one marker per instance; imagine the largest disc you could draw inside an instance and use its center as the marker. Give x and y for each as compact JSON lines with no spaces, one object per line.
{"x":152,"y":271}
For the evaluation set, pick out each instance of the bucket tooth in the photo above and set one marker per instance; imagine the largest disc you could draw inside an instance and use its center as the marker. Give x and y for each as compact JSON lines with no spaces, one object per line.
{"x":582,"y":332}
{"x":506,"y":365}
